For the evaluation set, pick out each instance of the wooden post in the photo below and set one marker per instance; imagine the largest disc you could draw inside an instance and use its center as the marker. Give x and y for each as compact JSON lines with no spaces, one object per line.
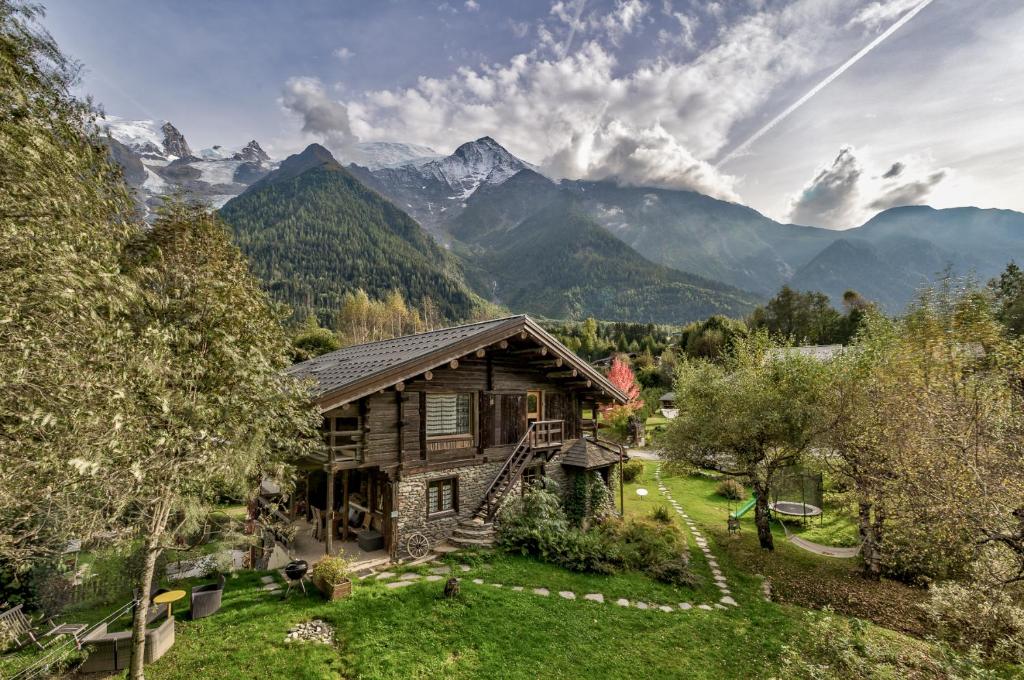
{"x":306,"y":513}
{"x":622,"y":492}
{"x":329,"y":512}
{"x":344,"y":505}
{"x":392,"y":522}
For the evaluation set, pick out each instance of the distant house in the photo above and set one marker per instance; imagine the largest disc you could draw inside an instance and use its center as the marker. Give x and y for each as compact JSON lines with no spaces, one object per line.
{"x":606,"y":362}
{"x":668,"y":405}
{"x":431,"y":433}
{"x":819,"y":352}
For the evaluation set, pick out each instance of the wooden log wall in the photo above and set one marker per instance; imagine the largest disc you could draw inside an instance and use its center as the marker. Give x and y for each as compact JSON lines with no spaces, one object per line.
{"x":394,"y":427}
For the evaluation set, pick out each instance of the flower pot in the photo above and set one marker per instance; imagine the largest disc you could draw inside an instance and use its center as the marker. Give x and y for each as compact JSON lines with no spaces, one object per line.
{"x":335,"y":591}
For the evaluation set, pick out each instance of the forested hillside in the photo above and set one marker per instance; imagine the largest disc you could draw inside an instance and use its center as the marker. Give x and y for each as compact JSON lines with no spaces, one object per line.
{"x":313,"y":232}
{"x":578,"y":269}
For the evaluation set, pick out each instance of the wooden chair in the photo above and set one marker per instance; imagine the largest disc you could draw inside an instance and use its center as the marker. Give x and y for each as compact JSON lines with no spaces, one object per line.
{"x":16,"y":626}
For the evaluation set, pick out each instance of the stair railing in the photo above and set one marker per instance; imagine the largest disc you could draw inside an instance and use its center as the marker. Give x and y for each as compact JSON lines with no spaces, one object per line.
{"x":513,"y":466}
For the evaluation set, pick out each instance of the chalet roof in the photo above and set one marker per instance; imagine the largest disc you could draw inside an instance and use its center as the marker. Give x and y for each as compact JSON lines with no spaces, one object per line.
{"x":354,"y":372}
{"x":589,"y":455}
{"x":668,"y":396}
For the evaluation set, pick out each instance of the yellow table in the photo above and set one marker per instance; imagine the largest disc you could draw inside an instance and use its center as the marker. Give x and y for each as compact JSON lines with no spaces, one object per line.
{"x":169,"y":598}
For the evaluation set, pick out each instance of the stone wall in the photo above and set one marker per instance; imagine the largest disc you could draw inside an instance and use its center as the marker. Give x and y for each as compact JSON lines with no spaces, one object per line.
{"x":554,"y":471}
{"x":412,"y":500}
{"x":563,"y":477}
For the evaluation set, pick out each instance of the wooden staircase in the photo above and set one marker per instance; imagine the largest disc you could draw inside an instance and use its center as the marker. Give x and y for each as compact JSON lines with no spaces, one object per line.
{"x":542,"y":435}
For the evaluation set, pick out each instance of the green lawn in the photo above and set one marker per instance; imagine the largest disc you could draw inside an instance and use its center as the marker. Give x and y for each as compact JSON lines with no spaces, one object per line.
{"x":413,"y":632}
{"x":797,"y":576}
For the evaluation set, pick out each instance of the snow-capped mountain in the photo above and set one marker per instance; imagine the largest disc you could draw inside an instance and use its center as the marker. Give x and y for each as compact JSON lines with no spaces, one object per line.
{"x":157,"y":160}
{"x":474,"y":163}
{"x":377,"y":155}
{"x":434,"y":191}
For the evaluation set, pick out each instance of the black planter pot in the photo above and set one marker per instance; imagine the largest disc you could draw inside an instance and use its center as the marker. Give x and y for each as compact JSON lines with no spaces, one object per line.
{"x":296,"y":570}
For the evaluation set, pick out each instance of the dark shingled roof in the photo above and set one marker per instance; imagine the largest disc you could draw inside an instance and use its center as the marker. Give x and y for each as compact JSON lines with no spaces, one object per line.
{"x":356,"y":371}
{"x":589,"y":455}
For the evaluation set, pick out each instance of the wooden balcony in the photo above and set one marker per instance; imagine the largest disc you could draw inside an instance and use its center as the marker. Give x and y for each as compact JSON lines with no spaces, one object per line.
{"x":547,"y":434}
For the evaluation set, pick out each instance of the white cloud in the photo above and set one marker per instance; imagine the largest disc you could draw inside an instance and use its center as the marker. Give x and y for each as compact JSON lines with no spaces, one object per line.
{"x":321,"y":116}
{"x":578,"y":113}
{"x":881,"y":12}
{"x":623,"y":20}
{"x":686,"y":34}
{"x":472,"y":5}
{"x":343,"y":53}
{"x":648,"y":157}
{"x":844,"y":194}
{"x":520,"y":29}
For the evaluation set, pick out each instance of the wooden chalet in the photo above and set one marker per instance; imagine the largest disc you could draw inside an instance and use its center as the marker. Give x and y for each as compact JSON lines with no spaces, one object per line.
{"x":430,"y":433}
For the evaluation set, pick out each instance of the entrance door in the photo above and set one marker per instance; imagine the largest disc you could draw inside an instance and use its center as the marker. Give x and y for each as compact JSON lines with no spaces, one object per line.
{"x":534,"y":406}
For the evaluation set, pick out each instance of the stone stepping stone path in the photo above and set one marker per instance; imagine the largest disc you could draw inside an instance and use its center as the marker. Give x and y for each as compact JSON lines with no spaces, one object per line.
{"x":269,"y":584}
{"x":721,"y":582}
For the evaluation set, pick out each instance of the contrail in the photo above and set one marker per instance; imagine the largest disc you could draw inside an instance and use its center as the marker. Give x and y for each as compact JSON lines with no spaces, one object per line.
{"x":572,"y":28}
{"x":824,"y":83}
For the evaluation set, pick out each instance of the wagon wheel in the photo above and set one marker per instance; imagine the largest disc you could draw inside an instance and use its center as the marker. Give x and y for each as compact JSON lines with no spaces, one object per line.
{"x":417,"y":546}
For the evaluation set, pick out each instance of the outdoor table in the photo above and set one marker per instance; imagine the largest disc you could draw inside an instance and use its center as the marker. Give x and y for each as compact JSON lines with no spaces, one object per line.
{"x":168,"y":598}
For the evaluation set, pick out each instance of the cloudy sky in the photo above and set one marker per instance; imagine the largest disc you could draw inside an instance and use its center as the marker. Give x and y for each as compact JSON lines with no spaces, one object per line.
{"x":911,"y":101}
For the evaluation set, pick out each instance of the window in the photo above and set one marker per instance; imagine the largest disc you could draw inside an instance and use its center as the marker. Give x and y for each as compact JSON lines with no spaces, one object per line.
{"x":532,"y":475}
{"x":450,"y":415}
{"x":442,"y":496}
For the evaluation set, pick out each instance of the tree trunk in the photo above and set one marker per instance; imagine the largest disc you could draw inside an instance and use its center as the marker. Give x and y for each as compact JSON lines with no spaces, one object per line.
{"x":876,"y":551}
{"x":152,"y":551}
{"x":871,"y":540}
{"x":762,"y":518}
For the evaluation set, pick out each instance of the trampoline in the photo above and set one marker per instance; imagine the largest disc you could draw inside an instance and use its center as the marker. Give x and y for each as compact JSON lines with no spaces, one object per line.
{"x":795,"y":509}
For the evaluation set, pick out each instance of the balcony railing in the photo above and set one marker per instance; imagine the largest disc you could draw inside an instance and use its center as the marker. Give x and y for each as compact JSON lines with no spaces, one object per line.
{"x":547,"y":434}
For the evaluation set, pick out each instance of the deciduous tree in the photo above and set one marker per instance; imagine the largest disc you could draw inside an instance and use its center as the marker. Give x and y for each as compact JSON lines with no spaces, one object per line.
{"x":212,"y":404}
{"x":750,"y":415}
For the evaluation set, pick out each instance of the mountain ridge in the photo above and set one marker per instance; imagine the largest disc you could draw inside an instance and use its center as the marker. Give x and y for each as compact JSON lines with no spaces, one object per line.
{"x":455,"y":198}
{"x":313,"y":232}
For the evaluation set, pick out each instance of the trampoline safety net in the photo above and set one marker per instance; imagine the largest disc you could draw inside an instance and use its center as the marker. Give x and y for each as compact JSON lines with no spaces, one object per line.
{"x":793,"y":489}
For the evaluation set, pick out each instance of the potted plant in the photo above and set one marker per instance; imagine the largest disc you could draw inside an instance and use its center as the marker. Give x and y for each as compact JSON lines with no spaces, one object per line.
{"x":330,"y":575}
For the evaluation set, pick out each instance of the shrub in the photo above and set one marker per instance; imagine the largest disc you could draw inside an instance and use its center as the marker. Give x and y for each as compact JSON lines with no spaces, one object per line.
{"x":536,"y":525}
{"x":988,"y":619}
{"x":661,"y":515}
{"x":731,"y":489}
{"x":331,"y":570}
{"x":644,"y":543}
{"x":632,"y":470}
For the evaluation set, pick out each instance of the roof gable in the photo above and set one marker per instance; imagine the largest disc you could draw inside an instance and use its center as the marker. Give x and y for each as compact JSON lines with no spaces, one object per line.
{"x":354,"y":372}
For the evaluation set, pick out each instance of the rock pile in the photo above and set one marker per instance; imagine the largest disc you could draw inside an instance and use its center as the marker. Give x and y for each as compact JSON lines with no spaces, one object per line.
{"x":311,"y":631}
